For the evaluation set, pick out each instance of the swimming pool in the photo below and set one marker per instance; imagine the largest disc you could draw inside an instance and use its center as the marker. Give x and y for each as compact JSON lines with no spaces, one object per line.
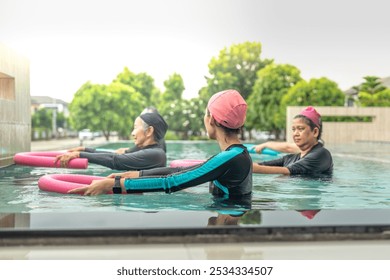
{"x":353,"y":206}
{"x":361,"y":181}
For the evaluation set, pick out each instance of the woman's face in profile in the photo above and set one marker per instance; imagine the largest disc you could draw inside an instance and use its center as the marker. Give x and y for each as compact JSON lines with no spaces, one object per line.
{"x":138,"y":132}
{"x":207,"y":124}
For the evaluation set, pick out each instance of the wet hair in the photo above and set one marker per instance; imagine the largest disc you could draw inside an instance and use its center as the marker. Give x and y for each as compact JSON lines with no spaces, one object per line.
{"x":312,"y":125}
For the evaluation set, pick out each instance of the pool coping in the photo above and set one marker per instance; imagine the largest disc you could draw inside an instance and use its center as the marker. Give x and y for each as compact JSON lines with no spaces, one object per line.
{"x":107,"y":228}
{"x":220,"y":234}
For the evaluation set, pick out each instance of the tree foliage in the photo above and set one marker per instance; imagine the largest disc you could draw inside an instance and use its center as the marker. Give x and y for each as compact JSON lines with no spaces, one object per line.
{"x":316,"y":92}
{"x":372,"y":85}
{"x":142,"y":83}
{"x":273,"y":82}
{"x":381,"y":99}
{"x":234,"y":68}
{"x":174,"y":88}
{"x":106,"y":108}
{"x":183,"y":116}
{"x":42,"y":119}
{"x":267,"y":87}
{"x":373,"y":93}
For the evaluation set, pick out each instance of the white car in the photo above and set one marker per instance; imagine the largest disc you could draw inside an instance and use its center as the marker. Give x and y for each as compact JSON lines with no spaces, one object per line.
{"x":86,"y":134}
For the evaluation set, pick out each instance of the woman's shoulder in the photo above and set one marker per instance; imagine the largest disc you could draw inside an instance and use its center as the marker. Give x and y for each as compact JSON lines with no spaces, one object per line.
{"x":320,"y":151}
{"x":150,"y":150}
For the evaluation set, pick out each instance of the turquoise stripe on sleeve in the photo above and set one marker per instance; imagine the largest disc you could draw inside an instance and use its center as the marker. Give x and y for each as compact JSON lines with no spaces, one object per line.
{"x":174,"y":180}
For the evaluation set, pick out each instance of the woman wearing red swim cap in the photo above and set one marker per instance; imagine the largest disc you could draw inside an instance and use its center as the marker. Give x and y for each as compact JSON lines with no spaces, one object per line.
{"x":229,"y":172}
{"x":309,"y":157}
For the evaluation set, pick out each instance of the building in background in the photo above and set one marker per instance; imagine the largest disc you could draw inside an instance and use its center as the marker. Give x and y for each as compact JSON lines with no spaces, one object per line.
{"x":15,"y":116}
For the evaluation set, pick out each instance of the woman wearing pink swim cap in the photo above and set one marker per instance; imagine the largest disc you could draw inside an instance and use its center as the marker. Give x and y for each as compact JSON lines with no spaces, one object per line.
{"x":229,"y":172}
{"x":308,"y":155}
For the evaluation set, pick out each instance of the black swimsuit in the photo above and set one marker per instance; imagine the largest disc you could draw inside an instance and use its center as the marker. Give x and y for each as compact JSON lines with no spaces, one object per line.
{"x":318,"y":161}
{"x":144,"y":158}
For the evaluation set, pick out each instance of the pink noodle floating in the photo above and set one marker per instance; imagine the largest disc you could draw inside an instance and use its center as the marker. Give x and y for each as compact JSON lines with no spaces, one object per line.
{"x":185,"y":162}
{"x":46,"y":159}
{"x":62,"y":183}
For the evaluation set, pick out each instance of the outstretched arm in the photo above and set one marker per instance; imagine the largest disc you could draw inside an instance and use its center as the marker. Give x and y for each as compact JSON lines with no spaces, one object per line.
{"x":262,"y":169}
{"x":283,"y":147}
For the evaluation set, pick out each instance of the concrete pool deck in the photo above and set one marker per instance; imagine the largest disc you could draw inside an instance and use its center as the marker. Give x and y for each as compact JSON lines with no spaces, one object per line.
{"x":350,"y":236}
{"x":319,"y":250}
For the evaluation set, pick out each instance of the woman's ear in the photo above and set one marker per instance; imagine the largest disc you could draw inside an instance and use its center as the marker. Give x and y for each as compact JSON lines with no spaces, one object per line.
{"x":316,"y":132}
{"x":150,"y":131}
{"x":212,"y":121}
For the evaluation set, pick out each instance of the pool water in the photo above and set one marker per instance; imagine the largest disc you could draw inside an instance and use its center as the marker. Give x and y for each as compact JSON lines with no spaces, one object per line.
{"x":361,"y":180}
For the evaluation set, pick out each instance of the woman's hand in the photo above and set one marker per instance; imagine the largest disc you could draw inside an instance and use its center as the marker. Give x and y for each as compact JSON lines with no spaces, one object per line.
{"x":95,"y":188}
{"x":65,"y":158}
{"x":259,"y":148}
{"x":77,"y":149}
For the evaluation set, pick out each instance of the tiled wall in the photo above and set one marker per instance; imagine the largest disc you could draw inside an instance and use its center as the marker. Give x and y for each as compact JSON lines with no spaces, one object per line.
{"x":378,"y":130}
{"x":15,"y":118}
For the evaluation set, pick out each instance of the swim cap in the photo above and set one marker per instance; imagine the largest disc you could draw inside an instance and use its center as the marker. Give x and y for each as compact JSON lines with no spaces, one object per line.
{"x":158,"y":123}
{"x":311,"y":114}
{"x":228,"y":108}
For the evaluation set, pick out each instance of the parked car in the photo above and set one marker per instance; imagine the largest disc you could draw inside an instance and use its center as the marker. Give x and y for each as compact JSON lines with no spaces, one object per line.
{"x":86,"y":134}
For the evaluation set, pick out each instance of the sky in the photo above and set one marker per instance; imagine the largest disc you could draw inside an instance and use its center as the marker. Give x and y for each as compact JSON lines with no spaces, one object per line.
{"x":71,"y":42}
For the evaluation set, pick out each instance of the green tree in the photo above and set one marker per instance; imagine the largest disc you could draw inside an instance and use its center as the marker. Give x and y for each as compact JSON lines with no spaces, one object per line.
{"x":379,"y":99}
{"x":234,"y":68}
{"x":129,"y":104}
{"x":316,"y":92}
{"x":373,"y":93}
{"x":142,"y":83}
{"x":196,"y":111}
{"x":41,"y":123}
{"x":61,"y":120}
{"x":372,"y":85}
{"x":42,"y":119}
{"x":185,"y":117}
{"x":174,"y":88}
{"x":273,"y":82}
{"x":106,"y":108}
{"x":172,"y":106}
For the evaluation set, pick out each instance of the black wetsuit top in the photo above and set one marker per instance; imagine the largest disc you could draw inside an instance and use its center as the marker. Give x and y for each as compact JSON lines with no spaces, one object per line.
{"x":229,"y":173}
{"x":161,"y":143}
{"x":316,"y":162}
{"x":141,"y":158}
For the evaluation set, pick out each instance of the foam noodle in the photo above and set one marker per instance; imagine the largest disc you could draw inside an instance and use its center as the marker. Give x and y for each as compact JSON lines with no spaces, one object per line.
{"x":46,"y":159}
{"x":266,"y":151}
{"x":62,"y":183}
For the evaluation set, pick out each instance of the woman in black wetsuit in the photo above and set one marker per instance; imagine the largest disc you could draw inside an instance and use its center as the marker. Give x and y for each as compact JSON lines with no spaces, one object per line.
{"x":312,"y":158}
{"x":229,"y":172}
{"x":149,"y":130}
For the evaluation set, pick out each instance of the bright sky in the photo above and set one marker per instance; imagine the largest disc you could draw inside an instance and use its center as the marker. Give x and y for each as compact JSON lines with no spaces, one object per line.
{"x":70,"y":42}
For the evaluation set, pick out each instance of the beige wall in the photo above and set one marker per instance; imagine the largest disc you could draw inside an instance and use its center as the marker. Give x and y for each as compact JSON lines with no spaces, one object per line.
{"x":15,"y":118}
{"x":348,"y":132}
